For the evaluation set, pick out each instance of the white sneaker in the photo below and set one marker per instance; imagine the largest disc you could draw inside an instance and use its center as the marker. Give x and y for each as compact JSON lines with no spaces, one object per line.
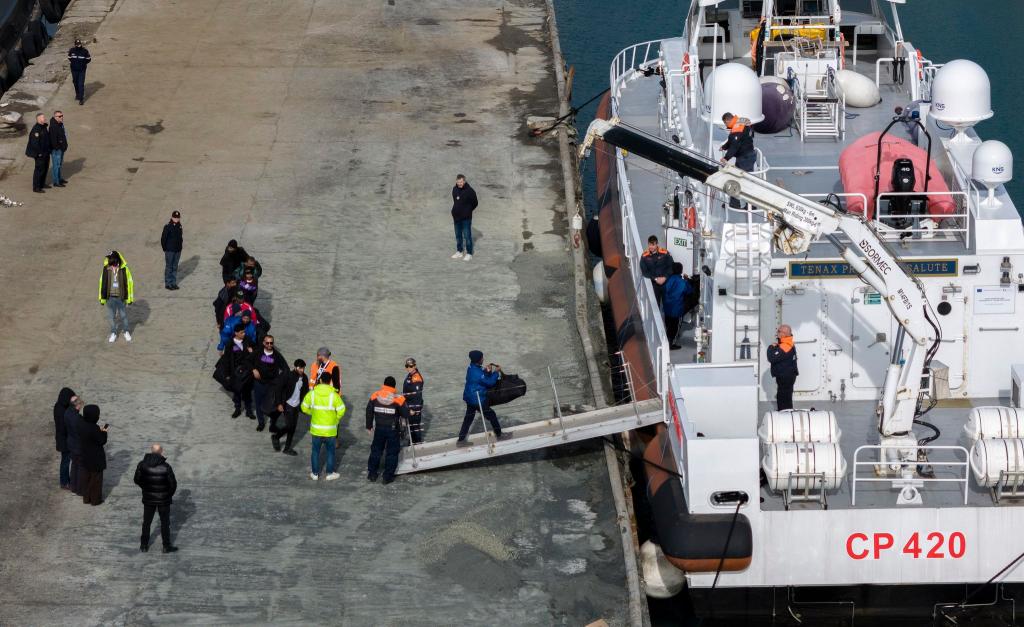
{"x":113,"y":336}
{"x":467,"y":257}
{"x":314,"y":476}
{"x":457,"y":256}
{"x":127,"y":336}
{"x":332,"y":476}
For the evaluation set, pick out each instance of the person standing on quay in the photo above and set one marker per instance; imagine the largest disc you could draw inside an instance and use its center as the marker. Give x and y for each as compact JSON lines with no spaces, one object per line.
{"x":79,"y":58}
{"x":325,"y":409}
{"x":384,"y":412}
{"x":72,"y":425}
{"x":291,"y":389}
{"x":170,"y":242}
{"x":58,"y":146}
{"x":464,"y":202}
{"x":156,"y":478}
{"x":64,"y":400}
{"x":39,"y":149}
{"x":94,"y":458}
{"x":117,"y":291}
{"x":267,"y":366}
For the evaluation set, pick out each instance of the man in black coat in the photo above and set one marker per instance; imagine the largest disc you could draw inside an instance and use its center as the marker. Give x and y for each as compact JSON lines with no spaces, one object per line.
{"x":170,"y":242}
{"x":58,"y":146}
{"x":156,"y":478}
{"x":39,"y":149}
{"x":79,"y":58}
{"x":72,"y":425}
{"x":267,"y":365}
{"x":291,"y":388}
{"x":60,"y":435}
{"x":464,"y":202}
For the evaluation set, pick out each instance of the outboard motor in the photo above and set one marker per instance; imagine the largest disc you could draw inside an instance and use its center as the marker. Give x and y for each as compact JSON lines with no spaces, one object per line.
{"x":903,"y":180}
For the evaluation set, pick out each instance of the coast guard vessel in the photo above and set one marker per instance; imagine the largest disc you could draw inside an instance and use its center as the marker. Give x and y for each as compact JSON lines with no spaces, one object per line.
{"x":875,"y":224}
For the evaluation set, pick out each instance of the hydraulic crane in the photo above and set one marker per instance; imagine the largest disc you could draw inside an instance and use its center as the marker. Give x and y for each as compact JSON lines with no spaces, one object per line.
{"x":797,"y":222}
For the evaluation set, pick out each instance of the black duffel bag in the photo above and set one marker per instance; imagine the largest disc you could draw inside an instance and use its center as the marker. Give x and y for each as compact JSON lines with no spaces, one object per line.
{"x":508,"y":388}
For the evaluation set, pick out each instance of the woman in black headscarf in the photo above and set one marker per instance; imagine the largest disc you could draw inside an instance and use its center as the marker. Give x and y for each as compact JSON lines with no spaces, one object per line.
{"x":234,"y":256}
{"x":60,"y":435}
{"x":94,"y":458}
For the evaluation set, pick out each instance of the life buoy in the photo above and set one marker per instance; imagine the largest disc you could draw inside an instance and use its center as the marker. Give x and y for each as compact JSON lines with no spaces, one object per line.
{"x":686,"y":69}
{"x":690,"y":217}
{"x":920,"y":65}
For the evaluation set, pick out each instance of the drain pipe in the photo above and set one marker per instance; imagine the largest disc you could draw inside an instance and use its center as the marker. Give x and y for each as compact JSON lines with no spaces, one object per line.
{"x":638,"y":612}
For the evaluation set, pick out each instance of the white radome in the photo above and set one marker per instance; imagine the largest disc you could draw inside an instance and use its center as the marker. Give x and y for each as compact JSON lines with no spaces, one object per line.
{"x":961,"y":93}
{"x":732,"y":88}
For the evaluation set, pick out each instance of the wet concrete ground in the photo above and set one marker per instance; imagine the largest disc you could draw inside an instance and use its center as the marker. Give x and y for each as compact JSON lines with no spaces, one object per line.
{"x":325,"y":137}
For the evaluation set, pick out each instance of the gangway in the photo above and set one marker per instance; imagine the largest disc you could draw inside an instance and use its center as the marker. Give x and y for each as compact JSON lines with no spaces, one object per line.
{"x":531,"y":436}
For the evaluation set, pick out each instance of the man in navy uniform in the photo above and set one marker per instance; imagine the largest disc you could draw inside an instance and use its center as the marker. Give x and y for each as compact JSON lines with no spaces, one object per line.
{"x":412,"y":389}
{"x":79,"y":57}
{"x":39,"y":149}
{"x":656,"y":265}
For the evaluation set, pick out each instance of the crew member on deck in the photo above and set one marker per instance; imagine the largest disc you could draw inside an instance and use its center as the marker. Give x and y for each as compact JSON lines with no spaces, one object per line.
{"x":740,"y":145}
{"x":782,"y":357}
{"x":656,"y":265}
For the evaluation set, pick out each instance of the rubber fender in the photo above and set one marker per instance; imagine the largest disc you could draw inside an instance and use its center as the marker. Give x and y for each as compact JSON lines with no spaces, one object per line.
{"x":594,"y":236}
{"x":15,"y":66}
{"x":30,"y":44}
{"x":52,"y":9}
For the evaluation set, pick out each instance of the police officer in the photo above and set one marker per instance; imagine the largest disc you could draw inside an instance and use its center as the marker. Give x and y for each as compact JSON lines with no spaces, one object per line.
{"x":656,"y":265}
{"x":782,"y":357}
{"x":412,"y":390}
{"x":39,"y":149}
{"x":79,"y":57}
{"x":384,"y":410}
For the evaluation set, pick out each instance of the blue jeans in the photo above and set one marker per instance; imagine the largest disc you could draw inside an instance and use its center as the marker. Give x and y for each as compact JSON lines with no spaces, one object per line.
{"x":384,"y":438}
{"x":171,"y":267}
{"x":65,"y":469}
{"x":464,"y":233}
{"x":115,"y":307}
{"x":56,"y":160}
{"x":314,"y":459}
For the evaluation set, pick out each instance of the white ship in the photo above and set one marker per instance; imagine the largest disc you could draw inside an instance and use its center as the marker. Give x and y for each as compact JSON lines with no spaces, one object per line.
{"x":898,"y":478}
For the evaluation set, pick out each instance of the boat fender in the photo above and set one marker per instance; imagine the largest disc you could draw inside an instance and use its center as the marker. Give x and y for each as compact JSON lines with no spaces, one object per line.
{"x":594,"y":236}
{"x":600,"y":282}
{"x":861,"y":91}
{"x":662,"y":580}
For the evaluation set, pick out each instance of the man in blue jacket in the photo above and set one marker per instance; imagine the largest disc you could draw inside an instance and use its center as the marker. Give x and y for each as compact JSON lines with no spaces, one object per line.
{"x":227,"y":332}
{"x":677,"y":288}
{"x":479,"y":379}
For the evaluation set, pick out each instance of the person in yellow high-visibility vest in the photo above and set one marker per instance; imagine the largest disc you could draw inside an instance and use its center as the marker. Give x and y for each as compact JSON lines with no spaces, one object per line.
{"x":325,"y":409}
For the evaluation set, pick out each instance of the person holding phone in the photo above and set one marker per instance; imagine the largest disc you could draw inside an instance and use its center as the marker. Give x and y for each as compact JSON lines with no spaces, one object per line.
{"x":94,"y":458}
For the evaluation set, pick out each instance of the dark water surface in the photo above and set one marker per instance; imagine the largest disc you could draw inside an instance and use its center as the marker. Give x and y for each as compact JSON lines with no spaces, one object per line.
{"x":989,"y":32}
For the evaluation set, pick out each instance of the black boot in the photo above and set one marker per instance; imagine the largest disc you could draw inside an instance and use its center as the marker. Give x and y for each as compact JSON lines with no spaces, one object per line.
{"x":237,"y":412}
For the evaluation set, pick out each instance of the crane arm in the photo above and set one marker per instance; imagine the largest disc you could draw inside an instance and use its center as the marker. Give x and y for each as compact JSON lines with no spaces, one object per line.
{"x":797,"y":223}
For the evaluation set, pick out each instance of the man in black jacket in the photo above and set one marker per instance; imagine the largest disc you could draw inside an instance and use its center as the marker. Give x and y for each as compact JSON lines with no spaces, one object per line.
{"x":224,"y":298}
{"x":156,"y":478}
{"x":58,"y":146}
{"x":384,"y":412}
{"x":64,"y":400}
{"x":782,"y":357}
{"x":78,"y":58}
{"x":289,"y":392}
{"x":267,"y":365}
{"x":170,"y":242}
{"x":464,"y":202}
{"x":412,"y":390}
{"x":39,"y":149}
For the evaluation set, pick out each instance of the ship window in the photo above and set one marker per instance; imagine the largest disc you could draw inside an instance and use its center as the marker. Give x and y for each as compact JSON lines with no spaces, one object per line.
{"x":944,"y":308}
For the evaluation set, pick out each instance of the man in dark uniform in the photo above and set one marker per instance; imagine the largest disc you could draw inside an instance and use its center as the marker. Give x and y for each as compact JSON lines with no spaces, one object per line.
{"x":656,"y":265}
{"x":39,"y":149}
{"x":412,"y":389}
{"x":383,"y":412}
{"x":740,"y":143}
{"x":79,"y":57}
{"x":782,"y":357}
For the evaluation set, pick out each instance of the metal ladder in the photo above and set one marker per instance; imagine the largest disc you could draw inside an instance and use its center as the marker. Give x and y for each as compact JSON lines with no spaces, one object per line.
{"x":821,"y":109}
{"x":749,"y":261}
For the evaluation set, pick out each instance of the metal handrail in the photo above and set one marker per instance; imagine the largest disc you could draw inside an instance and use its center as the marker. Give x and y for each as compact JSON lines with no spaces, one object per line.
{"x":878,"y":447}
{"x":962,"y":215}
{"x":621,"y":70}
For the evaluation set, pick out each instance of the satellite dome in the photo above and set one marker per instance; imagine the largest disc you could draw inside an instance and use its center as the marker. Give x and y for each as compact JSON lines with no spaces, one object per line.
{"x":961,"y":94}
{"x":992,"y":162}
{"x":732,"y":88}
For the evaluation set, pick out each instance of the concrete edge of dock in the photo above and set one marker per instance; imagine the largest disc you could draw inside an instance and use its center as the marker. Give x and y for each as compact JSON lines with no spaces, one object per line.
{"x":639,"y":615}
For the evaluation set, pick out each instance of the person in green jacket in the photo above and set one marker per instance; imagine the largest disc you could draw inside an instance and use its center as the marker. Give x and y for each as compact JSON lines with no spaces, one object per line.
{"x":117,"y":290}
{"x":325,"y":409}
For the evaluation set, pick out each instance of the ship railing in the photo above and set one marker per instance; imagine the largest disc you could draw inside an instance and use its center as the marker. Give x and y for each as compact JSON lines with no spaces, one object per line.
{"x":954,"y":467}
{"x":951,"y":227}
{"x":646,"y":305}
{"x":629,"y":61}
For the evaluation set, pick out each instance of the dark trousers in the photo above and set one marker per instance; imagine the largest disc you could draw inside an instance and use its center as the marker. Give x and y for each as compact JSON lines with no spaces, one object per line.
{"x":78,"y":78}
{"x":92,"y":486}
{"x":464,"y":235}
{"x":76,"y":474}
{"x":243,"y":396}
{"x":65,"y":469}
{"x":259,"y":393}
{"x":659,"y":291}
{"x":672,"y":328}
{"x":784,"y":392}
{"x":165,"y":523}
{"x":39,"y":173}
{"x":291,"y":418}
{"x":384,"y":439}
{"x":171,"y":259}
{"x":467,"y":422}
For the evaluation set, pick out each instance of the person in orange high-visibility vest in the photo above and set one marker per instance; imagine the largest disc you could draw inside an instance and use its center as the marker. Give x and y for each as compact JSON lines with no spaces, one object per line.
{"x":324,"y":363}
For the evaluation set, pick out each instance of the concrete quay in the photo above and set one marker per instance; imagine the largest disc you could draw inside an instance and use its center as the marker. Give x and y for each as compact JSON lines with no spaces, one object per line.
{"x":324,"y":135}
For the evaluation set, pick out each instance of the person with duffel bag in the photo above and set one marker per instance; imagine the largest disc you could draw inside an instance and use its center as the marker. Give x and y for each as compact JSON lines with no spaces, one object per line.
{"x":479,"y":379}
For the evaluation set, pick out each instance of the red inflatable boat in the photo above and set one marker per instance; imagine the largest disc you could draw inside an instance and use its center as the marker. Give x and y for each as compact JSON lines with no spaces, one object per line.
{"x":857,"y":171}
